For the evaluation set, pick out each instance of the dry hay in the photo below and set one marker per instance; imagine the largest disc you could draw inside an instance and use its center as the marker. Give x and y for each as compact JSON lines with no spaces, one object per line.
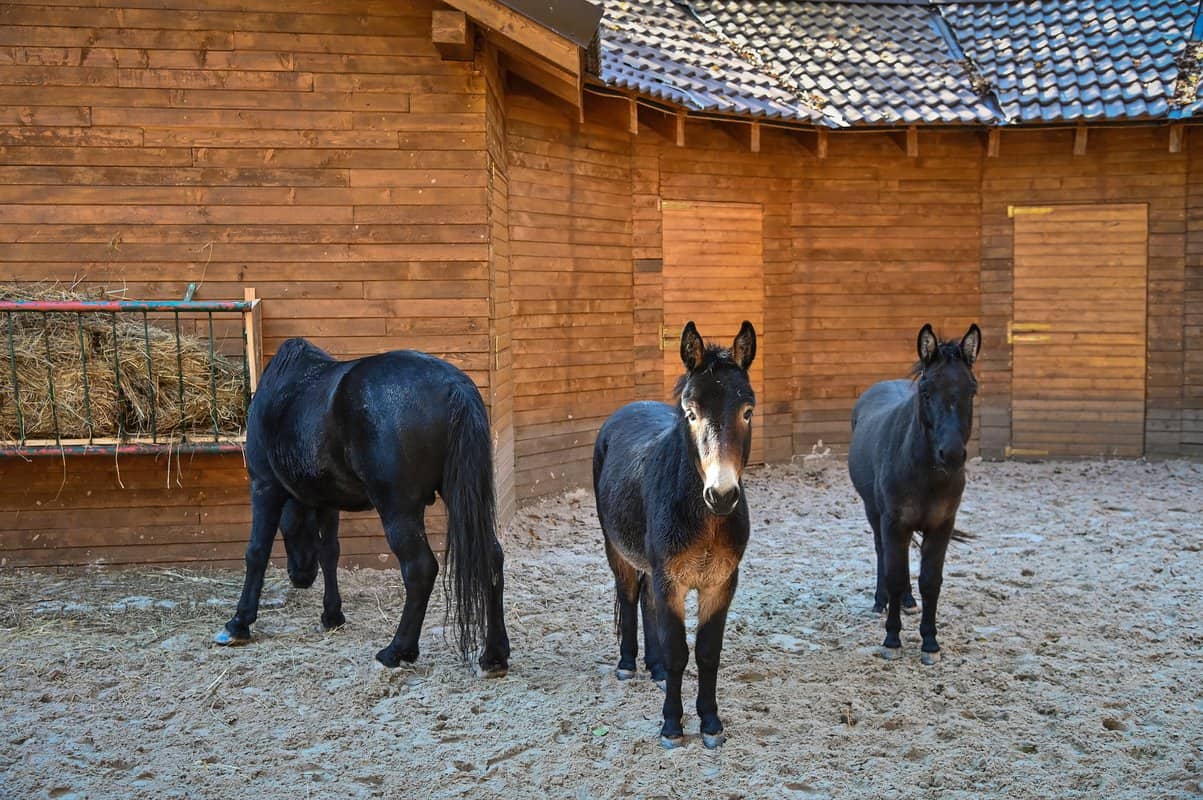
{"x":80,"y":356}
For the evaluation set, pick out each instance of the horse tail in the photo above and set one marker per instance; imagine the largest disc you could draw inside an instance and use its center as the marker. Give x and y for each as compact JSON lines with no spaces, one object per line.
{"x":471,"y":516}
{"x":961,"y":536}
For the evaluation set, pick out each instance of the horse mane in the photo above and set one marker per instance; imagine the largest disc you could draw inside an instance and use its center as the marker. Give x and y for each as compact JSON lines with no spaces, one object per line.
{"x":713,"y":356}
{"x":945,"y":352}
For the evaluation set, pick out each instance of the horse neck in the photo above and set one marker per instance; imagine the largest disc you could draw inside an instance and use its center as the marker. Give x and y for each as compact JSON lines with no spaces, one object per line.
{"x":916,"y":441}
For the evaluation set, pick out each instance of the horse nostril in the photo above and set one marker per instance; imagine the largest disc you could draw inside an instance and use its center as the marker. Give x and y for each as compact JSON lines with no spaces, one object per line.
{"x":940,"y":455}
{"x":708,"y":495}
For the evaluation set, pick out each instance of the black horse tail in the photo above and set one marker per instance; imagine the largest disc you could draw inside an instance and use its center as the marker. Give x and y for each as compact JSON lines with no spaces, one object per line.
{"x":961,"y":536}
{"x":471,"y":516}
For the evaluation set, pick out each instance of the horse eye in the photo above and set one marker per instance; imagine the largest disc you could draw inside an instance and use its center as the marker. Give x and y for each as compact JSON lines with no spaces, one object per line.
{"x":692,"y":417}
{"x":748,"y":415}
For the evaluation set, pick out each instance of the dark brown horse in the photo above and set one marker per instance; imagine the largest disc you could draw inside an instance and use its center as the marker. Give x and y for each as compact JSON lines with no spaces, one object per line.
{"x":667,"y":479}
{"x":907,"y":461}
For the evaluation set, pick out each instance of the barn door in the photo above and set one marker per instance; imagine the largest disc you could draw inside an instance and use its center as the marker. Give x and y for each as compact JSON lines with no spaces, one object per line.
{"x":1078,"y":332}
{"x":713,"y":275}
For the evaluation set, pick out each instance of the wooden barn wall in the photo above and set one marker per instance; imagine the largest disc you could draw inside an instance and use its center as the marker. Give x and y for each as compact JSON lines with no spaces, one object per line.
{"x":570,"y":258}
{"x":1192,"y":320}
{"x":882,"y":244}
{"x":320,"y":152}
{"x":716,"y":164}
{"x":501,"y":381}
{"x":1120,"y":165}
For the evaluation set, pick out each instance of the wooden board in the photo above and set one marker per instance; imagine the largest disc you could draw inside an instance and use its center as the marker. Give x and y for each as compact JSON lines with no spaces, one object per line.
{"x":1079,"y":330}
{"x":713,"y":274}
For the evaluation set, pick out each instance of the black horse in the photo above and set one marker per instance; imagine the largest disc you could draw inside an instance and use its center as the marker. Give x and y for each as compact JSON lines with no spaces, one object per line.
{"x":384,"y":432}
{"x":667,"y":482}
{"x":907,"y":461}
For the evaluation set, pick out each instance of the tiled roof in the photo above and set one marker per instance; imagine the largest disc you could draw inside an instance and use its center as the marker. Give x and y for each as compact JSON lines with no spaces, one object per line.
{"x":874,"y":64}
{"x":659,"y":48}
{"x":902,"y":62}
{"x":1056,"y":60}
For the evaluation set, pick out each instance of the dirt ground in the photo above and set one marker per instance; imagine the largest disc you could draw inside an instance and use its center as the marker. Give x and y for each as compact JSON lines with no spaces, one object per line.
{"x":1072,"y":630}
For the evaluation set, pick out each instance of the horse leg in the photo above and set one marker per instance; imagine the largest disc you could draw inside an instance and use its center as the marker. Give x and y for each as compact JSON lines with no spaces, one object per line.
{"x":931,"y":577}
{"x":670,"y":621}
{"x":267,"y":504}
{"x":406,"y":533}
{"x":653,"y":657}
{"x":327,"y":554}
{"x":713,"y":603}
{"x":495,"y":660}
{"x":626,"y":587}
{"x":894,"y":545}
{"x":880,"y":598}
{"x":298,"y":526}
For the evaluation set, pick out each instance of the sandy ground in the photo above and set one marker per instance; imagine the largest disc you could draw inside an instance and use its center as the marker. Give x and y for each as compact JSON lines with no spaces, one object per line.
{"x":1071,"y":628}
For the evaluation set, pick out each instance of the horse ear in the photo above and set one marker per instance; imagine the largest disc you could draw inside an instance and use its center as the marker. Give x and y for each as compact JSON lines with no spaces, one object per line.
{"x":971,"y":344}
{"x":692,"y":346}
{"x":928,"y":345}
{"x":744,"y":347}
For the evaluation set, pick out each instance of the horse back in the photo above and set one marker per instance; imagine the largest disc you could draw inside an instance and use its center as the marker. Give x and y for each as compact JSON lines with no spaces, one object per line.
{"x":879,"y":423}
{"x":628,"y":449}
{"x":330,"y":431}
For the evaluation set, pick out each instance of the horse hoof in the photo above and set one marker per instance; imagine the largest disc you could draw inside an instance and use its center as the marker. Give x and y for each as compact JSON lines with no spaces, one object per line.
{"x":227,"y":639}
{"x":891,"y":653}
{"x":713,"y":740}
{"x":930,"y":658}
{"x":913,"y":608}
{"x":879,"y":608}
{"x":392,"y":659}
{"x":333,"y":623}
{"x":672,"y":742}
{"x":492,"y":671}
{"x":624,"y":674}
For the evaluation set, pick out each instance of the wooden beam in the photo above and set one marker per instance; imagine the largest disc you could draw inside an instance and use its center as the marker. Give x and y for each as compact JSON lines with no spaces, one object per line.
{"x":680,"y":132}
{"x":993,"y":142}
{"x":813,"y":141}
{"x":564,"y":85}
{"x":754,"y":140}
{"x":451,"y":34}
{"x":633,"y":121}
{"x":912,"y":142}
{"x":1080,"y":141}
{"x":1177,"y":136}
{"x":512,"y":25}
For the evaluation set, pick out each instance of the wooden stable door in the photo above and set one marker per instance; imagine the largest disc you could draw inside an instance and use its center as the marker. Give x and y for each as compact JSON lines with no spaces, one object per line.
{"x":713,"y":275}
{"x":1078,"y":334}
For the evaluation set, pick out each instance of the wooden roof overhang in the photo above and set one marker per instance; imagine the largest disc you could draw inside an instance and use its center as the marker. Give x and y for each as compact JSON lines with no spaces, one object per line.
{"x":543,"y":42}
{"x":669,"y":119}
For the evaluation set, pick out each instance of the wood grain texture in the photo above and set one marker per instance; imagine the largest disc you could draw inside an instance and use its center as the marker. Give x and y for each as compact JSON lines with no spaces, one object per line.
{"x":324,"y":155}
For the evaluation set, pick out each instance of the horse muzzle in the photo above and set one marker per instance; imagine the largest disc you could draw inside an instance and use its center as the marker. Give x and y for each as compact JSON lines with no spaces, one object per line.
{"x":721,"y":501}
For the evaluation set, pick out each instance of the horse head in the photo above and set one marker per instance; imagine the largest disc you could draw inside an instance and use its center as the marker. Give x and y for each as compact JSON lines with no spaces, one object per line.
{"x":717,"y":402}
{"x":946,"y":386}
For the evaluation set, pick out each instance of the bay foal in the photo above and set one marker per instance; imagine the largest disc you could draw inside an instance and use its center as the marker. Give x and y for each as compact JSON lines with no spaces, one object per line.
{"x":667,"y":478}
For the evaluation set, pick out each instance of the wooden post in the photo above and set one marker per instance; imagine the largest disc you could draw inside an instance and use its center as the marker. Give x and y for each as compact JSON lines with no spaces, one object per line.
{"x":633,"y":123}
{"x":680,"y":129}
{"x":912,"y":142}
{"x":1080,"y":141}
{"x":755,"y":137}
{"x":821,"y":143}
{"x":1177,"y":133}
{"x":993,"y":141}
{"x":252,"y":323}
